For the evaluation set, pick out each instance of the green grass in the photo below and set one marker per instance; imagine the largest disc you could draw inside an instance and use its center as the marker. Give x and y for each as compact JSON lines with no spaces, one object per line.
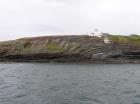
{"x":54,"y":46}
{"x":124,"y":39}
{"x":133,"y":38}
{"x":118,"y":39}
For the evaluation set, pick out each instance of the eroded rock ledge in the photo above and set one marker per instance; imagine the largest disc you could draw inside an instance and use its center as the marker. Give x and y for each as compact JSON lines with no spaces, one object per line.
{"x":121,"y":49}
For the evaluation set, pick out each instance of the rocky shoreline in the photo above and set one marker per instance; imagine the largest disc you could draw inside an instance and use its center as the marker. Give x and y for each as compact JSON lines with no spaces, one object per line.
{"x":72,"y":49}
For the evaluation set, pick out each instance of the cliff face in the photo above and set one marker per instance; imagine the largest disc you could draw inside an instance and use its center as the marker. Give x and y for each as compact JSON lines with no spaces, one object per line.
{"x":121,"y":49}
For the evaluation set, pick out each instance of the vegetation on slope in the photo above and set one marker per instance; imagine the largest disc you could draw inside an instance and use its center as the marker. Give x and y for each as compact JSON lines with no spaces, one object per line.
{"x":125,"y":39}
{"x":87,"y":46}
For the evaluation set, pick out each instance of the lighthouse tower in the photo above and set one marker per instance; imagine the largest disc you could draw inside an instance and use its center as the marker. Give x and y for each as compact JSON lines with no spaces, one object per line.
{"x":97,"y":33}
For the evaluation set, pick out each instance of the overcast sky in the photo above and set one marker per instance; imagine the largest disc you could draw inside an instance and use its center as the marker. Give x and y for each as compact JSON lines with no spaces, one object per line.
{"x":24,"y":18}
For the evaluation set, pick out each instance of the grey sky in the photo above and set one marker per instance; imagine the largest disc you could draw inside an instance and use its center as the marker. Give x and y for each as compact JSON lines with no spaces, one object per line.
{"x":23,"y":18}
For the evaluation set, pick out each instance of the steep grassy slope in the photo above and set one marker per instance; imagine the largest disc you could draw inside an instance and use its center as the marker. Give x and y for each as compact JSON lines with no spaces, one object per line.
{"x":72,"y":49}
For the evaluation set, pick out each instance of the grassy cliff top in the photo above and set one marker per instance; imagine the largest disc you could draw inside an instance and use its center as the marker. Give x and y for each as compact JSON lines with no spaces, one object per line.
{"x":125,"y":39}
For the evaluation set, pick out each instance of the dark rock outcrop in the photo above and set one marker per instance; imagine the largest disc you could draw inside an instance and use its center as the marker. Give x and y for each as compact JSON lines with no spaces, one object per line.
{"x":121,"y":49}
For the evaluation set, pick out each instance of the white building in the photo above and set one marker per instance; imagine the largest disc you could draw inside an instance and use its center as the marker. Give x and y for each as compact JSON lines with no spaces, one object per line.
{"x":99,"y":34}
{"x":96,"y":33}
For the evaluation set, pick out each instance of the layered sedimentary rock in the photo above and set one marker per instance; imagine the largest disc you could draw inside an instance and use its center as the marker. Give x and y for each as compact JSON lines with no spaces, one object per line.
{"x":121,"y":49}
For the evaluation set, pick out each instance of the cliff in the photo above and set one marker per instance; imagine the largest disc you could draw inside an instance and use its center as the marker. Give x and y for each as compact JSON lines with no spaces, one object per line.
{"x":121,"y":49}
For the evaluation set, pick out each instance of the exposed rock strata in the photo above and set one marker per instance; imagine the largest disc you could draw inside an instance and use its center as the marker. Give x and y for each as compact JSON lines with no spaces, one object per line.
{"x":70,"y":49}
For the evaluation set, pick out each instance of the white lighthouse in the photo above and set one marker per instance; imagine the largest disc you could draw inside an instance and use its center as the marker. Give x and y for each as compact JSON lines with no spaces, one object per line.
{"x":97,"y":33}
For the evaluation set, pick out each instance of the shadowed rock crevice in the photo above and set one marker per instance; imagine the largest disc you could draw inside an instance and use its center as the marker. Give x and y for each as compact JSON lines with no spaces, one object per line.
{"x":127,"y":55}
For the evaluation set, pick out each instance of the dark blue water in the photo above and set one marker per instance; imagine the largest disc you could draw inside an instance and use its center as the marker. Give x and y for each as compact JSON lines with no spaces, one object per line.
{"x":69,"y":84}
